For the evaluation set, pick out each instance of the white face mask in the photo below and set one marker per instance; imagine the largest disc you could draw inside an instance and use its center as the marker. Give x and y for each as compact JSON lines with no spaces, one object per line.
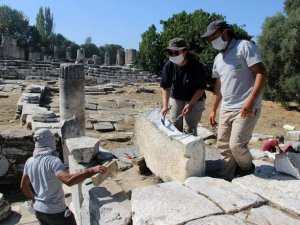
{"x":177,"y":59}
{"x":219,"y":44}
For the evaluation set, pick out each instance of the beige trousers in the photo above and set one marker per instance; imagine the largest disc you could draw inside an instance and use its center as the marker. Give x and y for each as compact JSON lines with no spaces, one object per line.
{"x":189,"y":123}
{"x":234,"y":134}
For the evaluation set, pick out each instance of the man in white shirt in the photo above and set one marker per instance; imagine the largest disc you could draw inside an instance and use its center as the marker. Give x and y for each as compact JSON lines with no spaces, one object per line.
{"x":240,"y":80}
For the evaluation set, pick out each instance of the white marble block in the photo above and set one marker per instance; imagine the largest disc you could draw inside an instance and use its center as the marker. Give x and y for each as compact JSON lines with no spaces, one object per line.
{"x":288,"y":163}
{"x":83,"y":148}
{"x":169,"y":154}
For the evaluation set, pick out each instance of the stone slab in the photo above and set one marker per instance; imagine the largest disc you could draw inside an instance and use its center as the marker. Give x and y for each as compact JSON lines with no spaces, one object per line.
{"x":169,"y":154}
{"x":84,"y":149}
{"x":169,"y":203}
{"x":271,"y":216}
{"x":112,"y":168}
{"x":276,"y":187}
{"x":288,"y":163}
{"x":218,"y":220}
{"x":228,"y":196}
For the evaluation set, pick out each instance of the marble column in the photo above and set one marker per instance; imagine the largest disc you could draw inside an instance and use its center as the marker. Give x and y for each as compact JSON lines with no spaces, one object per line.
{"x":130,"y":56}
{"x":71,"y":93}
{"x":107,"y":59}
{"x":120,"y":58}
{"x":43,"y":52}
{"x":80,"y":56}
{"x":68,"y":53}
{"x":55,"y":52}
{"x":30,"y":53}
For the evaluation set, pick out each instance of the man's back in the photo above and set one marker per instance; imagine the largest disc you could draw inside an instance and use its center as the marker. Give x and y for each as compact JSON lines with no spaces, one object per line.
{"x":42,"y":171}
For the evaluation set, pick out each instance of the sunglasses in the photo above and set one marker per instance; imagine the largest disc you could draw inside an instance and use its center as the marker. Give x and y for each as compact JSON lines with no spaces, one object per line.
{"x":173,"y":53}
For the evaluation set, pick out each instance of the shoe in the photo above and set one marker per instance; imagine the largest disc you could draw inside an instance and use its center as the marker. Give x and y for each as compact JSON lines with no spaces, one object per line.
{"x":240,"y":173}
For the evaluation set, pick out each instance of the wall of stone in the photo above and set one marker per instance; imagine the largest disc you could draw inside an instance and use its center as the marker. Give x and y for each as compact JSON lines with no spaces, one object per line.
{"x":16,"y":146}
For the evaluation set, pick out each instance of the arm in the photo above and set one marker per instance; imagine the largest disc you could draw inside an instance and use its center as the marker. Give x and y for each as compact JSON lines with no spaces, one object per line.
{"x":193,"y":101}
{"x":260,"y":80}
{"x":25,"y":187}
{"x":75,"y":178}
{"x":165,"y":100}
{"x":217,"y":97}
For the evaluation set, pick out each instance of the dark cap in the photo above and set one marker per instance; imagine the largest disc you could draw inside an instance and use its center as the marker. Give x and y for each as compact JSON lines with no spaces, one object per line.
{"x":214,"y":26}
{"x":177,"y":44}
{"x":280,"y":138}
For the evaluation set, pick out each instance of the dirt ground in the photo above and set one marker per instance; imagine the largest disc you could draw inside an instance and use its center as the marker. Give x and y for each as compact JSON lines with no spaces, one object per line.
{"x":273,"y":115}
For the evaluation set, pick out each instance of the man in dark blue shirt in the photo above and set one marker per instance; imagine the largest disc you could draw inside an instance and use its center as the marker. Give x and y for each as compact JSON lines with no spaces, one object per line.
{"x":183,"y":82}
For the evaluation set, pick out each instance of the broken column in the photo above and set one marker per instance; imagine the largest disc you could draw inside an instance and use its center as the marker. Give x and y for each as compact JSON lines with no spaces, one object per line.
{"x":80,"y":56}
{"x":120,"y":58}
{"x":30,"y":53}
{"x":71,"y":97}
{"x":68,"y":53}
{"x":169,"y":154}
{"x":106,"y":59}
{"x":130,"y":57}
{"x":55,"y":52}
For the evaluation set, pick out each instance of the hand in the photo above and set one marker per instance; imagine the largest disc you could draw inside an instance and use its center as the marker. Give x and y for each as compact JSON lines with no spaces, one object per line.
{"x":164,"y":110}
{"x":212,"y":119}
{"x":99,"y":169}
{"x":247,"y":109}
{"x":187,"y":109}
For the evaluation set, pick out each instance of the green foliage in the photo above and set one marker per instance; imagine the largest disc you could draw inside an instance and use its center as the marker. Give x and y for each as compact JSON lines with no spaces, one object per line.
{"x":90,"y":50}
{"x":150,"y":57}
{"x":13,"y":22}
{"x":188,"y":26}
{"x":44,"y":23}
{"x":279,"y":45}
{"x":88,"y":40}
{"x":112,"y":51}
{"x":48,"y":22}
{"x":62,"y":43}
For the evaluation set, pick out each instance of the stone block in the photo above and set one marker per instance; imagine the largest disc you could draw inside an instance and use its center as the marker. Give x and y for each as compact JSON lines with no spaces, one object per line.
{"x":278,"y":188}
{"x":269,"y":215}
{"x":218,"y":220}
{"x":288,"y":163}
{"x":169,"y":154}
{"x":83,"y":148}
{"x":169,"y":203}
{"x":112,"y":168}
{"x":293,"y":135}
{"x":229,"y":197}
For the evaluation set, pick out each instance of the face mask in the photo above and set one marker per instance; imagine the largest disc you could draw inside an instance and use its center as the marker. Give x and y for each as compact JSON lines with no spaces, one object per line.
{"x":219,"y":44}
{"x":177,"y":59}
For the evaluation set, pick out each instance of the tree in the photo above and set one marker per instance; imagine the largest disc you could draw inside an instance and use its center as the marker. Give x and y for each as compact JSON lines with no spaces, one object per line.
{"x":280,"y":48}
{"x":90,"y":48}
{"x":150,"y":57}
{"x":44,"y":23}
{"x":48,"y":22}
{"x":13,"y":23}
{"x":40,"y":23}
{"x":188,"y":26}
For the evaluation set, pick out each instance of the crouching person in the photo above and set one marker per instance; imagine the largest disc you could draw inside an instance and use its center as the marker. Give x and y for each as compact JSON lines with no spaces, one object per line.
{"x":46,"y":173}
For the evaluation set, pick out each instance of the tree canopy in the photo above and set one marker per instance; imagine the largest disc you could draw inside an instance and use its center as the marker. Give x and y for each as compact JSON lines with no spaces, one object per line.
{"x":189,"y":26}
{"x":280,"y":50}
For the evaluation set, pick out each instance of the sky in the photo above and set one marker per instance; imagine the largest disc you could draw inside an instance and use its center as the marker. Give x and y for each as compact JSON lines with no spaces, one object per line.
{"x":122,"y":22}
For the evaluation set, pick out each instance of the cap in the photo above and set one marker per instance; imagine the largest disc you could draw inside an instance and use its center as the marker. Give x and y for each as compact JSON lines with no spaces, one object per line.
{"x":177,"y":44}
{"x":214,"y":26}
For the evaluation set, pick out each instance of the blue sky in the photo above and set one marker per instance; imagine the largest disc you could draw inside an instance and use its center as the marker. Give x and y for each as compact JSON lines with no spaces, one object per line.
{"x":123,"y":21}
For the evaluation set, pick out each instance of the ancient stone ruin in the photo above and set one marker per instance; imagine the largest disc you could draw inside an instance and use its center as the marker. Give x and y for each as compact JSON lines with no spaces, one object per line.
{"x":82,"y":103}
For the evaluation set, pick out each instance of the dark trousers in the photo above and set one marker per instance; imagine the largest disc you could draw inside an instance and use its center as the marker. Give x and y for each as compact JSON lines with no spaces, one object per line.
{"x":63,"y":218}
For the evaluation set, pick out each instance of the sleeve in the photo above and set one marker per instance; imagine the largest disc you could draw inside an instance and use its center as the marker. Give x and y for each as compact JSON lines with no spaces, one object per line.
{"x":215,"y":73}
{"x":251,"y":53}
{"x":166,"y":76}
{"x":58,"y":166}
